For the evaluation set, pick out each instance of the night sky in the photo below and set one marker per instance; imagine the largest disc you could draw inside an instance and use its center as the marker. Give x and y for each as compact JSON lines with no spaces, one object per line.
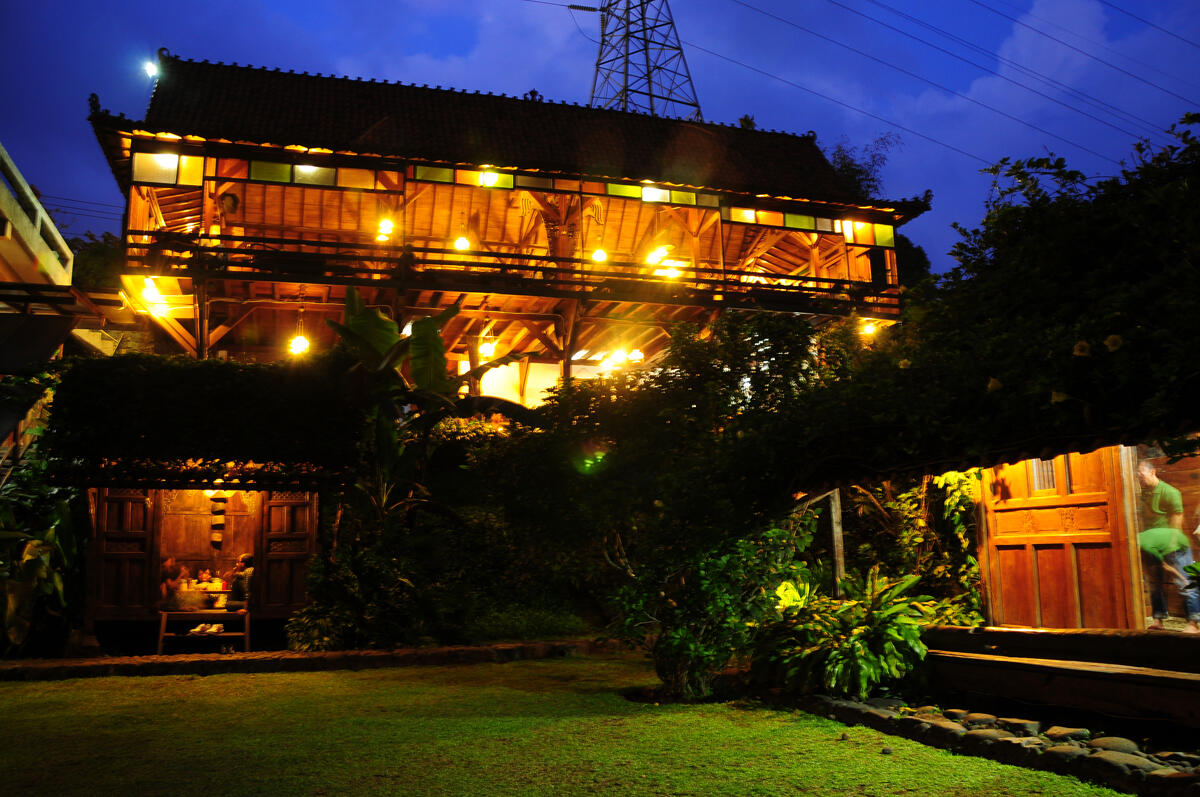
{"x":1132,"y":76}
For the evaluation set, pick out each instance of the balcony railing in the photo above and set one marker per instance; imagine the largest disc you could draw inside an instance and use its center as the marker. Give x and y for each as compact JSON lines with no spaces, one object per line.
{"x":493,"y":270}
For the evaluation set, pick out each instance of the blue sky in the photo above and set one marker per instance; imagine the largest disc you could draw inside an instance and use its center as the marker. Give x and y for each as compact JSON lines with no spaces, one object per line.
{"x":958,"y":117}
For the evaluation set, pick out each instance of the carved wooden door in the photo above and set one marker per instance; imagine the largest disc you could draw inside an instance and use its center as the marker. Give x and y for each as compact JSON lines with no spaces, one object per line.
{"x":122,"y":573}
{"x":1056,"y":549}
{"x":289,"y":525}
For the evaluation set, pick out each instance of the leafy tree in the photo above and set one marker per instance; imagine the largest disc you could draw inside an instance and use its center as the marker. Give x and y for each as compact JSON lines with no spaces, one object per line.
{"x":98,"y":260}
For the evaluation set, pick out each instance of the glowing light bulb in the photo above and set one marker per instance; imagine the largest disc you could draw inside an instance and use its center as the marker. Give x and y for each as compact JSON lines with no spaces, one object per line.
{"x":386,"y":226}
{"x":151,"y":69}
{"x":305,"y":168}
{"x":166,"y":160}
{"x":599,"y":255}
{"x":488,"y":179}
{"x":869,"y":328}
{"x":462,"y":243}
{"x":155,"y":303}
{"x":298,"y":345}
{"x":656,"y":256}
{"x":487,"y":348}
{"x":618,"y":356}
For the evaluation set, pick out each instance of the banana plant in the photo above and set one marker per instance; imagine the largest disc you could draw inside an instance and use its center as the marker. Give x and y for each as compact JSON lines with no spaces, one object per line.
{"x":406,"y":408}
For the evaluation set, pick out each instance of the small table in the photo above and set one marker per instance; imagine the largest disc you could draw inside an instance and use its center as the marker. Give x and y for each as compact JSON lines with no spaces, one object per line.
{"x":204,"y":616}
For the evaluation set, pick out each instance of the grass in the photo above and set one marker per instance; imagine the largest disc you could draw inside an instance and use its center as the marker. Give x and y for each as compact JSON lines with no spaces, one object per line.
{"x":538,"y":727}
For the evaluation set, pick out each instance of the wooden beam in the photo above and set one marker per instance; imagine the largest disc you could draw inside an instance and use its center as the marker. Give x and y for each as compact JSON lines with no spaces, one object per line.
{"x":543,"y":338}
{"x":177,"y":333}
{"x":221,"y":331}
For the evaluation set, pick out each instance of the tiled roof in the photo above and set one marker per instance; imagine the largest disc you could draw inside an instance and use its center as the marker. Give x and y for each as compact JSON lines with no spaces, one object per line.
{"x":242,"y":103}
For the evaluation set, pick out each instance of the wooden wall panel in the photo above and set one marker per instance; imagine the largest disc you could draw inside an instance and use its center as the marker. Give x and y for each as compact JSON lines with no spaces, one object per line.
{"x":1016,"y":587}
{"x":1101,"y":605}
{"x":1056,"y":587}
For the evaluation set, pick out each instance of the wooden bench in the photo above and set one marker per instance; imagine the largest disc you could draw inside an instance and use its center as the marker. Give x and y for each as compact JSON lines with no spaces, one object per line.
{"x":209,"y":616}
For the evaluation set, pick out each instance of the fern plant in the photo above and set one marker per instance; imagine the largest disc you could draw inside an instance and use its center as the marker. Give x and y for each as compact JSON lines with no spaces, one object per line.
{"x":847,"y":647}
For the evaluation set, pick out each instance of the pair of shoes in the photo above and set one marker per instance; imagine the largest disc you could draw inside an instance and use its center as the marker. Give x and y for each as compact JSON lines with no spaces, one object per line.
{"x":199,"y":630}
{"x":216,"y":628}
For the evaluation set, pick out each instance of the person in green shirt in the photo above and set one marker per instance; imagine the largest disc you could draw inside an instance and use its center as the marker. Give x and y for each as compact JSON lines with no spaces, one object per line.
{"x":1165,"y":548}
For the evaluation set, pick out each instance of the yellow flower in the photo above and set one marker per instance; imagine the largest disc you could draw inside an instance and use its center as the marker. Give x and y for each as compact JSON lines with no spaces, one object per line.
{"x":1113,"y":342}
{"x":1082,"y":349}
{"x":994,"y":384}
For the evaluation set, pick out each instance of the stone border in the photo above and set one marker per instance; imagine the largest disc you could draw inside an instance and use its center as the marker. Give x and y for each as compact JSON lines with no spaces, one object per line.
{"x":292,"y":661}
{"x":1110,"y":761}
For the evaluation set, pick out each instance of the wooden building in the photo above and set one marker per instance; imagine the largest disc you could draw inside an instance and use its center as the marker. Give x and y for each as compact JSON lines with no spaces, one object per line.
{"x":256,"y":196}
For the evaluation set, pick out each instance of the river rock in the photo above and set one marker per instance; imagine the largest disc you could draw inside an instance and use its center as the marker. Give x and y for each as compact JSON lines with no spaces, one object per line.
{"x":1018,"y":726}
{"x":1123,"y":762}
{"x":1059,"y":733}
{"x":977,"y":719}
{"x":1118,"y":744}
{"x":1064,"y":753}
{"x":890,"y":703}
{"x":955,"y":714}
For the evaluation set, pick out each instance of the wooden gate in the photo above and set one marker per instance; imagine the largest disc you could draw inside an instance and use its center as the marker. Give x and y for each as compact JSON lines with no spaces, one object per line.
{"x":1056,"y":547}
{"x":121,"y":575}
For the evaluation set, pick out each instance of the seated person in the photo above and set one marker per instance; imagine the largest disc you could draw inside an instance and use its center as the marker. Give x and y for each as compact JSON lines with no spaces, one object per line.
{"x":170,"y":579}
{"x":239,"y":583}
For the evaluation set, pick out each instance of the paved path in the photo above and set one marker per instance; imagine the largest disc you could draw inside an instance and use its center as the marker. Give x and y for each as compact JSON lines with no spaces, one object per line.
{"x":290,"y":661}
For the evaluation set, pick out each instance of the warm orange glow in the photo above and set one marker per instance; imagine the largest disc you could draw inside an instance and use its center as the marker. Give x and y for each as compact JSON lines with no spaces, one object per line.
{"x":636,"y":356}
{"x":166,"y":160}
{"x":153,"y":298}
{"x":487,"y":348}
{"x":869,"y":328}
{"x":656,"y":256}
{"x":305,"y":168}
{"x":462,"y":243}
{"x":653,"y":194}
{"x":298,"y":345}
{"x":386,"y":226}
{"x":488,"y":179}
{"x":599,"y":255}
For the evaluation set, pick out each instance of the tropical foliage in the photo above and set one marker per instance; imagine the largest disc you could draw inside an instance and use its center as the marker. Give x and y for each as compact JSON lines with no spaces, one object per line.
{"x":847,"y":647}
{"x":694,"y":615}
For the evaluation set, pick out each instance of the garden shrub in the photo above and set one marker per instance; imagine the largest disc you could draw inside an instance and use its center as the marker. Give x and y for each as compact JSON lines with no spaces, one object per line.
{"x":523,"y":622}
{"x":696,"y":613}
{"x":847,"y":647}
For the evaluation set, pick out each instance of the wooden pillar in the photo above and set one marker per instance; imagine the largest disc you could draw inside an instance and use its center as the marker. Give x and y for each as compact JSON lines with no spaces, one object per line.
{"x":201,"y":295}
{"x":566,"y":336}
{"x":473,"y":388}
{"x":835,"y":541}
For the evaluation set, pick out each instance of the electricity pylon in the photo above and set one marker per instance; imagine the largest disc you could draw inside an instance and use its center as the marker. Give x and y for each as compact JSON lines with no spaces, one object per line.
{"x":641,"y":66}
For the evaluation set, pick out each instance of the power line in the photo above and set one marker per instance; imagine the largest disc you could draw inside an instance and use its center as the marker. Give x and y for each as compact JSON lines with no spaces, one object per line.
{"x":842,"y":103}
{"x":1032,"y":73}
{"x":1101,"y":45}
{"x":946,"y":89}
{"x":1148,"y":23}
{"x":1085,"y":53}
{"x":82,"y":201}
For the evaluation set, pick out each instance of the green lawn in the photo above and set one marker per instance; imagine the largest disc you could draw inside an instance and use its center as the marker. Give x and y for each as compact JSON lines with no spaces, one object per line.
{"x":540,"y":727}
